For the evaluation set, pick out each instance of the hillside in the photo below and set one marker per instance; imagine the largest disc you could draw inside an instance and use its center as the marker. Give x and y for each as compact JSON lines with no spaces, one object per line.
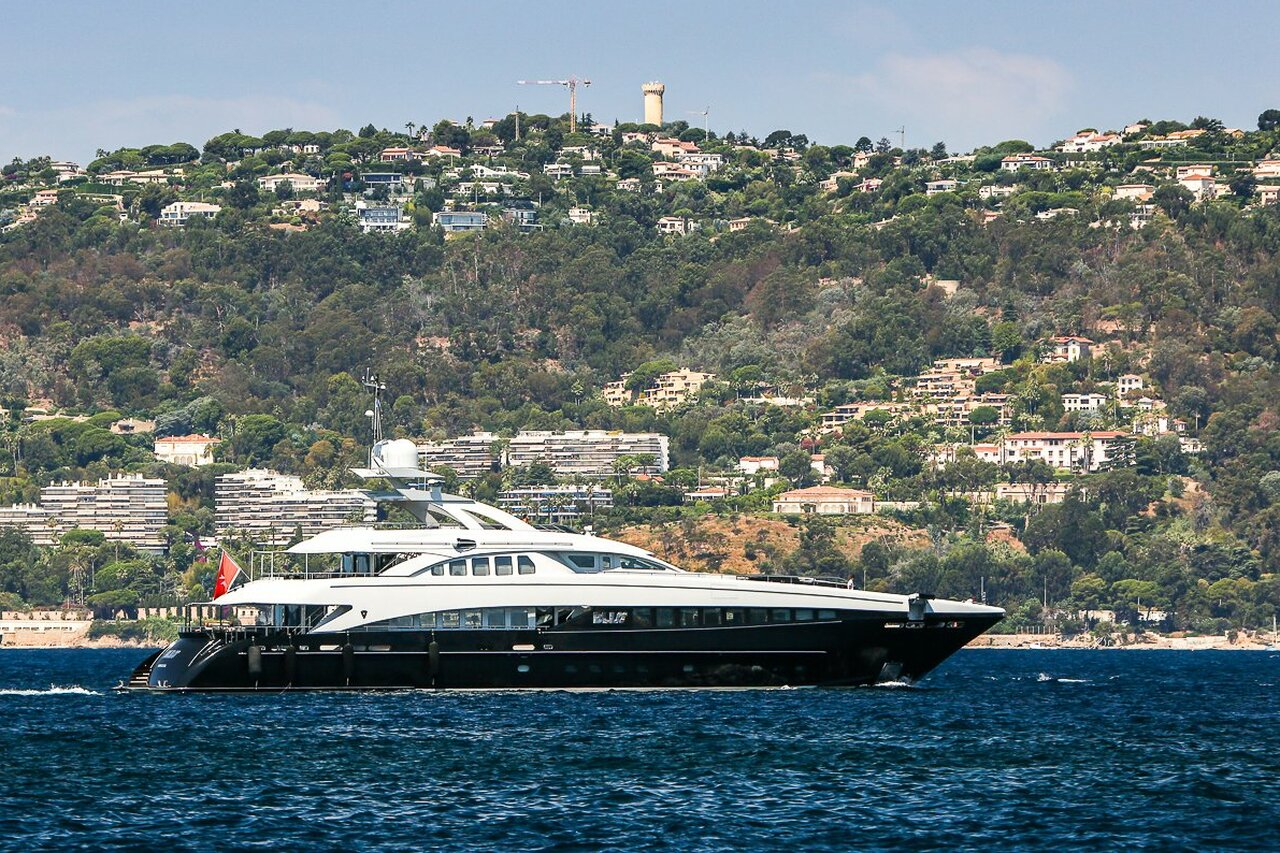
{"x":834,"y":275}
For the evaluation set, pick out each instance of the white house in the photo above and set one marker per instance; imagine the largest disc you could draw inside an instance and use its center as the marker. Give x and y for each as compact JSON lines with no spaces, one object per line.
{"x":192,"y":450}
{"x":299,"y":182}
{"x":751,"y":465}
{"x":1136,"y":192}
{"x":944,"y":185}
{"x":1073,"y":451}
{"x":1201,"y":186}
{"x":1014,"y":162}
{"x":825,"y":500}
{"x":1068,"y":348}
{"x":1084,"y":402}
{"x":1088,"y":141}
{"x":676,"y":225}
{"x":176,"y":215}
{"x":1127,"y":383}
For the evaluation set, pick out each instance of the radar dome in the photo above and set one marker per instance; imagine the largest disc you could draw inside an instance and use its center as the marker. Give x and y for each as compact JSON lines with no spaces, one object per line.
{"x":400,"y":453}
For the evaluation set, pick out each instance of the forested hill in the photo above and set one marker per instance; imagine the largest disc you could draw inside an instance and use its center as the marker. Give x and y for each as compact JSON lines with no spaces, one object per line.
{"x":828,"y":291}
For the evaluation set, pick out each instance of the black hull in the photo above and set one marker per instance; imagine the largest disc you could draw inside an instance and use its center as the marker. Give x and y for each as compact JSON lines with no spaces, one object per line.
{"x":840,"y":653}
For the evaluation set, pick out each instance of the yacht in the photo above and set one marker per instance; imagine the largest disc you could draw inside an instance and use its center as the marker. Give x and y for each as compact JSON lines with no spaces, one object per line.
{"x":469,"y":596}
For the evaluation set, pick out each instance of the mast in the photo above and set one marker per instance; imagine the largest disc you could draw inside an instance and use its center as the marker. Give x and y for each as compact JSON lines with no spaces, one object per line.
{"x":372,"y":383}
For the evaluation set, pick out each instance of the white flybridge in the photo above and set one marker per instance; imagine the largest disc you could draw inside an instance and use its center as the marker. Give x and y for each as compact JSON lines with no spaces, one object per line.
{"x":470,"y":596}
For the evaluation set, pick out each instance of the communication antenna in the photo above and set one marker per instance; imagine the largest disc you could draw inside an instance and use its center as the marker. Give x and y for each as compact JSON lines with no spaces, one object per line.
{"x":705,"y":112}
{"x":372,"y":383}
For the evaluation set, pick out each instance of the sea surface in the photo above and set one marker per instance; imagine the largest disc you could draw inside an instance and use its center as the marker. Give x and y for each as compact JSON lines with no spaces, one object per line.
{"x":997,"y":750}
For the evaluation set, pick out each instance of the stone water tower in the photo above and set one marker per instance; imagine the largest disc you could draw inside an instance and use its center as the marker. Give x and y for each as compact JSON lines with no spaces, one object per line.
{"x":653,"y":102}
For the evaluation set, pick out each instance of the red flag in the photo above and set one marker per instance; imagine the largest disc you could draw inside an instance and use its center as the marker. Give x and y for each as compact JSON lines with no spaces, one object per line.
{"x":228,"y":571}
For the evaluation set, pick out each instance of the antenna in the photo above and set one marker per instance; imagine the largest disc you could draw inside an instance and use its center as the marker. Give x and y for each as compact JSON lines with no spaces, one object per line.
{"x":706,"y":122}
{"x":372,"y":383}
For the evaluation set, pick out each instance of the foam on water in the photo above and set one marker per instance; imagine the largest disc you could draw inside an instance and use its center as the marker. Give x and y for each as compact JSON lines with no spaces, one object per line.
{"x":52,"y":690}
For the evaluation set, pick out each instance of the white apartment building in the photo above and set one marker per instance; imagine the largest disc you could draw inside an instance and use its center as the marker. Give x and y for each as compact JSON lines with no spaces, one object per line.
{"x":127,"y":508}
{"x":589,"y":453}
{"x":190,"y":450}
{"x":271,"y":508}
{"x":31,"y":519}
{"x":468,"y":456}
{"x":176,"y":215}
{"x":666,"y":392}
{"x":1072,"y":451}
{"x":555,"y":504}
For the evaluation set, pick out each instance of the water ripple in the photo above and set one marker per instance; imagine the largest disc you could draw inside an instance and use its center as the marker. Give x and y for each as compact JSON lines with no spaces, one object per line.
{"x":1025,"y":750}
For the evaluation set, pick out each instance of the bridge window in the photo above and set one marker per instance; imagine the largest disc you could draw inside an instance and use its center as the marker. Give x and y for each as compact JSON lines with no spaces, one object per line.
{"x":666,"y":617}
{"x":804,"y":615}
{"x":479,"y":566}
{"x":502,"y":565}
{"x":438,"y":570}
{"x":526,"y":565}
{"x":458,"y":568}
{"x":582,"y":562}
{"x":471,"y":619}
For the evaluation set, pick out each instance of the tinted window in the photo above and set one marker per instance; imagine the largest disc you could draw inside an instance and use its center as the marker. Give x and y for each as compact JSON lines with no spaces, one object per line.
{"x":826,"y":614}
{"x":449,"y":619}
{"x":479,"y":566}
{"x":585,"y":562}
{"x":689,"y":617}
{"x":666,"y":617}
{"x":757,"y":616}
{"x":471,"y":619}
{"x":642,"y":617}
{"x":457,"y":568}
{"x":733,"y":617}
{"x":606,"y":562}
{"x":781,"y":615}
{"x":437,"y":569}
{"x":520,"y":617}
{"x":502,"y":565}
{"x":711,"y":616}
{"x":804,"y":615}
{"x":495,"y":618}
{"x":526,"y":565}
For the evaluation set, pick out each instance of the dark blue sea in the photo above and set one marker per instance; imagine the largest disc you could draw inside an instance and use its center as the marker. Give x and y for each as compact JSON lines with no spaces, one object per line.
{"x":1008,"y":750}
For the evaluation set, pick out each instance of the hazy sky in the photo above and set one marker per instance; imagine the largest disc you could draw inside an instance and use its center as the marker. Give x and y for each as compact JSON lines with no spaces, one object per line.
{"x":87,"y":75}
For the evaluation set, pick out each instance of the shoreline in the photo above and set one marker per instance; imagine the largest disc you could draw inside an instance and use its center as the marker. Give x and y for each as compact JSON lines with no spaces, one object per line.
{"x":1024,"y":642}
{"x":1143,"y":642}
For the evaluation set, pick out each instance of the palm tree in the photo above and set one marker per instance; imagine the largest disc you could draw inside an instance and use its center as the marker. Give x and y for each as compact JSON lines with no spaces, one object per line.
{"x":409,"y":126}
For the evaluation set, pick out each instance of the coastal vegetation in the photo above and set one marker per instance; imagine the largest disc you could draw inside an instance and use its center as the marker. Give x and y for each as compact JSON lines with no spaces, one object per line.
{"x":257,"y":334}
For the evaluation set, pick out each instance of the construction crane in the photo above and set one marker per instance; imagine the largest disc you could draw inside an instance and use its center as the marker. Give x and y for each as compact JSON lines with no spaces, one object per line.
{"x":573,"y":83}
